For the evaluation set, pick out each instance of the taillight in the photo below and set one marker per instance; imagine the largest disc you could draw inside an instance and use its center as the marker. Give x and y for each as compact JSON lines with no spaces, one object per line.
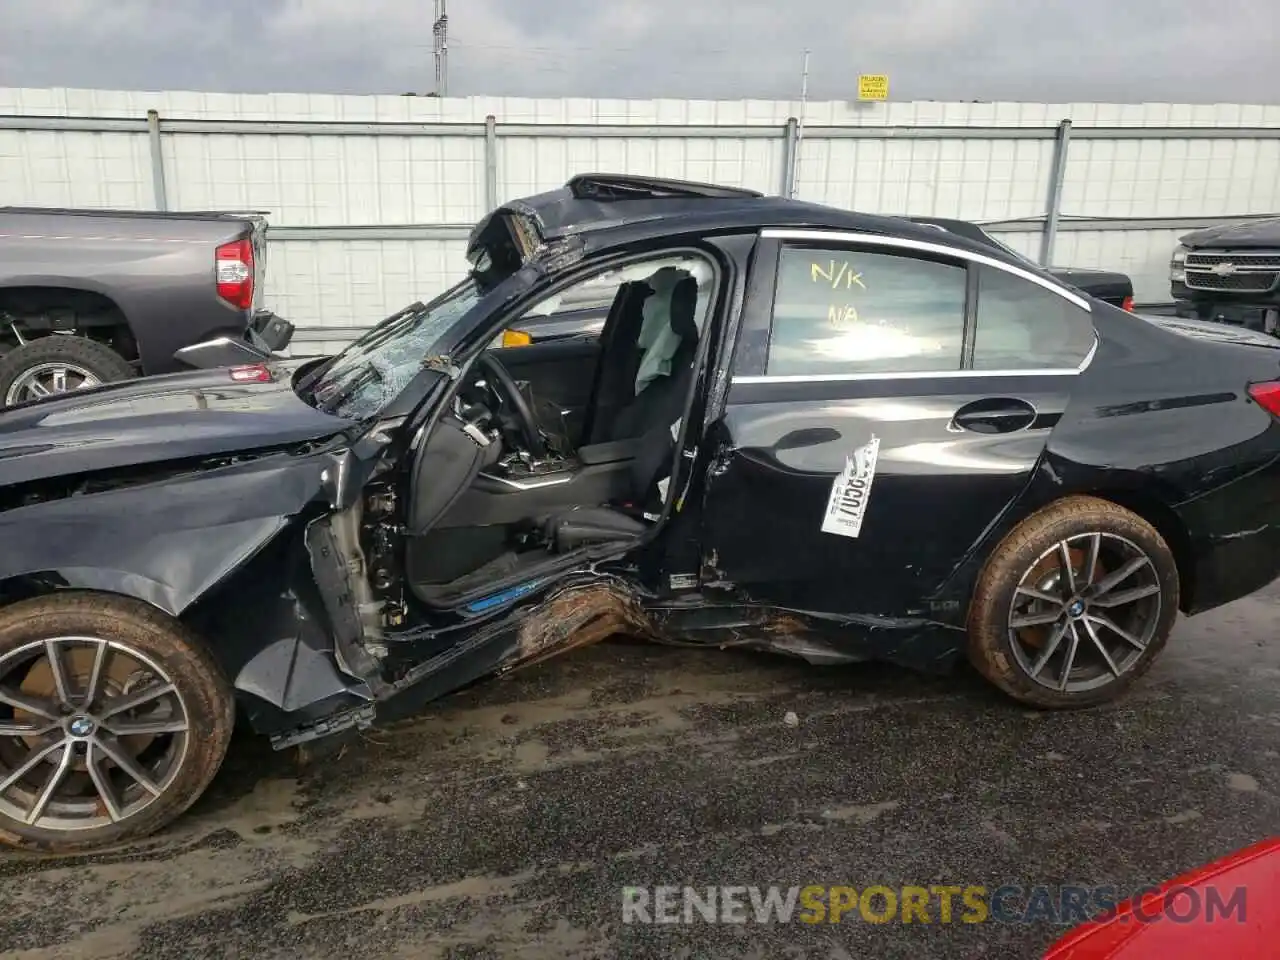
{"x":233,"y":270}
{"x":1267,"y":396}
{"x":1127,"y":303}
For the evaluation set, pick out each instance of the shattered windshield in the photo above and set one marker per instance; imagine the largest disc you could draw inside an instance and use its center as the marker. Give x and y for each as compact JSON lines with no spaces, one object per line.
{"x":375,"y":368}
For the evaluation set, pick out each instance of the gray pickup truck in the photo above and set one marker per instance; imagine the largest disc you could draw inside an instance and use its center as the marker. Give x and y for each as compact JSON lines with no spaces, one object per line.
{"x":89,"y":296}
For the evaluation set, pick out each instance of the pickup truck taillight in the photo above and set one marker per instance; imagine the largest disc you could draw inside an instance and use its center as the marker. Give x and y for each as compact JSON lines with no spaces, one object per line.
{"x":1127,"y":304}
{"x":233,"y":269}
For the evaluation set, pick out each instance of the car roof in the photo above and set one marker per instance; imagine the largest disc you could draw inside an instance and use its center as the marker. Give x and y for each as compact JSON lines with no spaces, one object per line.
{"x":963,"y":228}
{"x":615,"y":210}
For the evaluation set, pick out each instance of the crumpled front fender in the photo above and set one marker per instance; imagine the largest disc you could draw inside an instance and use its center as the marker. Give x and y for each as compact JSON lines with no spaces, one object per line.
{"x":169,"y":541}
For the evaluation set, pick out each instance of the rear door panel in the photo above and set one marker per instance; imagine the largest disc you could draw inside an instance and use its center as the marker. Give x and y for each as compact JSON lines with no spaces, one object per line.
{"x":935,"y":490}
{"x":941,"y":479}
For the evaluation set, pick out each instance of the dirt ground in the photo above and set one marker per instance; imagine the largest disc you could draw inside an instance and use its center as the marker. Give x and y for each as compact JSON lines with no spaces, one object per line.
{"x":506,"y":821}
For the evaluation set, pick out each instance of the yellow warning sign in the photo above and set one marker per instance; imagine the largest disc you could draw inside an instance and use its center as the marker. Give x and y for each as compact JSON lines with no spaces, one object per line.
{"x":873,"y":86}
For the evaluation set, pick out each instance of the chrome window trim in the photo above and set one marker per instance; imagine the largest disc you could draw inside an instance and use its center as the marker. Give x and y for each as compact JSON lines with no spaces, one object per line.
{"x":904,"y":243}
{"x":924,"y":374}
{"x":938,"y":374}
{"x":923,"y":246}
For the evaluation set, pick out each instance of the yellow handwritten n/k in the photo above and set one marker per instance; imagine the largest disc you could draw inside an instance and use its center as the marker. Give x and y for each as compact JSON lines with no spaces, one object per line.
{"x":835,"y":274}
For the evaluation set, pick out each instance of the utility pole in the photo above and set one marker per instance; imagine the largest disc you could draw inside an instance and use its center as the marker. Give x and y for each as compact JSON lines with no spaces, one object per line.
{"x":804,"y":97}
{"x":440,"y":33}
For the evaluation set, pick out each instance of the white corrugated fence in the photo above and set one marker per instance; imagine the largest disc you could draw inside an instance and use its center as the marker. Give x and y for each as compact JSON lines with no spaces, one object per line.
{"x":370,"y":197}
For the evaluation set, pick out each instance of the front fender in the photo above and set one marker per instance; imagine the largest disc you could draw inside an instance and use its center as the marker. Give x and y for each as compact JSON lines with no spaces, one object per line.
{"x":167,"y":542}
{"x":123,"y":582}
{"x":161,"y":570}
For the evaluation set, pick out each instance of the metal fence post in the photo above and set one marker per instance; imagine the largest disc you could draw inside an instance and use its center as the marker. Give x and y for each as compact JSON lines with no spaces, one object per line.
{"x":490,"y":162}
{"x":1061,"y":143}
{"x":161,"y":198}
{"x":789,"y":158}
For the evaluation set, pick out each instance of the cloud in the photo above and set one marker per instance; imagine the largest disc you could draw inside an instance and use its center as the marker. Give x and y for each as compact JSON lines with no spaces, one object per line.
{"x":932,"y":49}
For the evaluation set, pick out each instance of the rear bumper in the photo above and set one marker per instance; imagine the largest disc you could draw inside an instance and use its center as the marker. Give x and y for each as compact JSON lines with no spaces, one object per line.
{"x":1242,"y":554}
{"x":1253,"y":315}
{"x":1236,"y":568}
{"x":265,"y":334}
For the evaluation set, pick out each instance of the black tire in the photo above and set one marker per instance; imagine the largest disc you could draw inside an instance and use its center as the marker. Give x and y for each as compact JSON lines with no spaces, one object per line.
{"x":144,"y":648}
{"x":78,"y":353}
{"x":1004,"y":649}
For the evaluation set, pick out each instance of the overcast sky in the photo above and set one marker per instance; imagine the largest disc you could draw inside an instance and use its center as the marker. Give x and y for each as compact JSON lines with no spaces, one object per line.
{"x":1054,"y":50}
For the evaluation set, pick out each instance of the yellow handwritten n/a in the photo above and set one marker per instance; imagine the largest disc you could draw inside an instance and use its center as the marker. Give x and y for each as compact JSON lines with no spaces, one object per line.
{"x":842,"y":316}
{"x":836,"y":274}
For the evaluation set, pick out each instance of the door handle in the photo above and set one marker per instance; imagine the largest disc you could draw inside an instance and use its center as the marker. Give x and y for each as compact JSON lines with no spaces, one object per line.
{"x":994,"y":415}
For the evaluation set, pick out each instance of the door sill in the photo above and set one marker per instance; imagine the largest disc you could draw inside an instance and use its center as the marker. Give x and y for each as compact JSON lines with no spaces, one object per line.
{"x":530,"y":572}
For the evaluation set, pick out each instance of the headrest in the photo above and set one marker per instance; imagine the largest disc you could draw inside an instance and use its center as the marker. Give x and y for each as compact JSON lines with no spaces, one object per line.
{"x":684,"y":307}
{"x":662,"y":280}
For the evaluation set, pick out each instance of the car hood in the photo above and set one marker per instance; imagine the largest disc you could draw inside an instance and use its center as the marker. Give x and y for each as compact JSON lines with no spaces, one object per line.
{"x":1236,"y":913}
{"x":1086,"y":273}
{"x":1104,"y":284}
{"x":174,"y":417}
{"x":1228,"y":236}
{"x":1082,"y":275}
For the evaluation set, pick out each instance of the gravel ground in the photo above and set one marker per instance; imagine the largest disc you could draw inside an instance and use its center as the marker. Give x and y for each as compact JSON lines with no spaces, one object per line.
{"x":506,"y":821}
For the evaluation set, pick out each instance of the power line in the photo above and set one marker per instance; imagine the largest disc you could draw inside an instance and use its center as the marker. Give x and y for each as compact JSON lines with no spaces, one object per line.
{"x":545,"y":60}
{"x":592,"y":48}
{"x":702,"y":68}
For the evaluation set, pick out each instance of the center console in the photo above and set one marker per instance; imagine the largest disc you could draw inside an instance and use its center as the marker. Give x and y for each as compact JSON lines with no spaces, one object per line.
{"x":519,"y":488}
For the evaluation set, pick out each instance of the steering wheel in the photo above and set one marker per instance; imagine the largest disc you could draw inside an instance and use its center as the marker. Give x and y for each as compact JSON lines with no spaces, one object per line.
{"x":511,"y":396}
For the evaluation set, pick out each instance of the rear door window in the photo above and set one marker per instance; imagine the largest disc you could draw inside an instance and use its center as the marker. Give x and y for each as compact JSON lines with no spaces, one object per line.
{"x":843,"y":311}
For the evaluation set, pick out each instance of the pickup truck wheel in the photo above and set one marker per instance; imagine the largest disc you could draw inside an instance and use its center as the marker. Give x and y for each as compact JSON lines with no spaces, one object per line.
{"x":1074,"y":604}
{"x":58,"y":364}
{"x":113,"y":721}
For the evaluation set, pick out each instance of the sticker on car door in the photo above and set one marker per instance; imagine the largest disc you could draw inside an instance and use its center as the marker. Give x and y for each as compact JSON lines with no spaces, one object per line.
{"x":851,"y":491}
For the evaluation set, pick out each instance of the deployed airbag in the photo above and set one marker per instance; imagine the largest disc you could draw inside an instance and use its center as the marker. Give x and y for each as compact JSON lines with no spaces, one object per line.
{"x":657,"y":341}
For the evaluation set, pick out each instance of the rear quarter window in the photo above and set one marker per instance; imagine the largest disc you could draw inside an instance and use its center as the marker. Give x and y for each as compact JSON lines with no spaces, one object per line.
{"x":1020,"y":325}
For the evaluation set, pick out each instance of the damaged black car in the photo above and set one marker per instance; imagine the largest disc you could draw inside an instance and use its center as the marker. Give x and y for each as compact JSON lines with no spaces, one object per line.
{"x":834,"y":436}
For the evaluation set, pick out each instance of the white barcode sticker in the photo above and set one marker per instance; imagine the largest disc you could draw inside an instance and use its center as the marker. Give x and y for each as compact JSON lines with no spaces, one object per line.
{"x":851,"y":491}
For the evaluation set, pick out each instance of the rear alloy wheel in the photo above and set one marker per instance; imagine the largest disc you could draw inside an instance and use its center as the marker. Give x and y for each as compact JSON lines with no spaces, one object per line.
{"x":1074,"y":604}
{"x":112,"y":721}
{"x":58,"y":364}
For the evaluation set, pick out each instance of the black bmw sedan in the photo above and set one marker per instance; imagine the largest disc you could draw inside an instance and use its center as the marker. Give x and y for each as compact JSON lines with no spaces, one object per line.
{"x":834,"y":436}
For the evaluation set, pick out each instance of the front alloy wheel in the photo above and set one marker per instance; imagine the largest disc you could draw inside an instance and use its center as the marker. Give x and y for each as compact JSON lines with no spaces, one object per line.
{"x":112,"y":721}
{"x":1074,"y":604}
{"x":97,"y":732}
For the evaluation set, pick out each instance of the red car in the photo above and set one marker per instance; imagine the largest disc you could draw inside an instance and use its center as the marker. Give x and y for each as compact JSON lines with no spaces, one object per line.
{"x":1177,"y":922}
